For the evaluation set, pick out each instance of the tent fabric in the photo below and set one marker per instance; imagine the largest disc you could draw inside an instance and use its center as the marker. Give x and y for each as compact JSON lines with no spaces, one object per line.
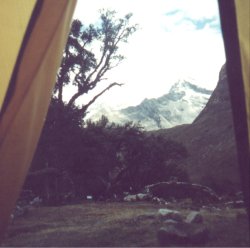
{"x":235,"y":18}
{"x":30,"y":59}
{"x":243,"y":24}
{"x":12,"y":32}
{"x":242,"y":8}
{"x":32,"y":79}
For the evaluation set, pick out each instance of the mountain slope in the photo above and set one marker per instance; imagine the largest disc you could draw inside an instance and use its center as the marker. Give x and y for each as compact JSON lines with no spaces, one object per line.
{"x":210,"y":142}
{"x":181,"y":105}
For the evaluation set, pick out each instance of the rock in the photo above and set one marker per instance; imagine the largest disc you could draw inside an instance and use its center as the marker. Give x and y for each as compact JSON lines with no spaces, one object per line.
{"x":182,"y":190}
{"x":11,"y":219}
{"x":158,"y":200}
{"x":239,"y":196}
{"x":211,"y":209}
{"x":194,"y":217}
{"x":20,"y":211}
{"x":165,"y":214}
{"x":89,"y":197}
{"x":182,"y":234}
{"x":165,"y":211}
{"x":170,"y":221}
{"x":171,"y":235}
{"x":142,"y":197}
{"x":36,"y":202}
{"x":130,"y":198}
{"x":145,"y":217}
{"x":199,"y":236}
{"x":235,"y":204}
{"x":25,"y":197}
{"x":137,"y":197}
{"x":239,"y":204}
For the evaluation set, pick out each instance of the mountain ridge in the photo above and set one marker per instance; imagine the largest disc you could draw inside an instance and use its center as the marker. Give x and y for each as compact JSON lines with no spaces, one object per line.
{"x":181,"y":104}
{"x":210,"y":142}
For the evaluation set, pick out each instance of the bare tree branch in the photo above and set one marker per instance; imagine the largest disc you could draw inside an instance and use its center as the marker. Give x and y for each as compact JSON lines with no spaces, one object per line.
{"x":85,"y":107}
{"x":80,"y":65}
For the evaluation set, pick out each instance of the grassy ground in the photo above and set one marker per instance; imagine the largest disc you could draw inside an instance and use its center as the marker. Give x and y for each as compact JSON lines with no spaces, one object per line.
{"x":115,"y":224}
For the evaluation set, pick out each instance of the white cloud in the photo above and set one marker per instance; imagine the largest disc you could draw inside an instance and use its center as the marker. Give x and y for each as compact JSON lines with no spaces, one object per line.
{"x":176,"y":39}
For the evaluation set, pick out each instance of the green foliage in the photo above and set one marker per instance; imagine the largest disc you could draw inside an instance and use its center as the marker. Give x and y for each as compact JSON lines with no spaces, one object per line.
{"x":61,"y":129}
{"x":102,"y":158}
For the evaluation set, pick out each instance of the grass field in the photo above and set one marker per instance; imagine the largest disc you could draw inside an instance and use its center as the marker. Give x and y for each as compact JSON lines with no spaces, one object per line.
{"x":115,"y":224}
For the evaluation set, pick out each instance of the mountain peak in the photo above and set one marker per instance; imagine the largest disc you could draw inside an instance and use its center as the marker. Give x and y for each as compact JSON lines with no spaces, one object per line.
{"x":180,"y":105}
{"x":210,"y":142}
{"x":183,"y":84}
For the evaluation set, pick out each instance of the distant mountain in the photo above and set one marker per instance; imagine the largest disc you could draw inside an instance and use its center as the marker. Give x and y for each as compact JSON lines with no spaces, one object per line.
{"x":210,"y":142}
{"x":180,"y":105}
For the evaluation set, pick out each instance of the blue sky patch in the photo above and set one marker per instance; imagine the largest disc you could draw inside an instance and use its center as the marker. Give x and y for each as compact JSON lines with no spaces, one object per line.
{"x":171,"y":13}
{"x":201,"y":23}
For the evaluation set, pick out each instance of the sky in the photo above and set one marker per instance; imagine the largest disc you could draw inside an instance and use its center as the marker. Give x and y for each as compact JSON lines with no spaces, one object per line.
{"x":176,"y":39}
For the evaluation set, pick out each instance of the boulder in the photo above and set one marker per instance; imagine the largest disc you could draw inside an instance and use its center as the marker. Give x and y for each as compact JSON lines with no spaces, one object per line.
{"x":142,"y":197}
{"x":170,"y":221}
{"x":36,"y":202}
{"x":136,"y":197}
{"x":183,"y":234}
{"x":143,"y":217}
{"x":166,"y":214}
{"x":158,"y":200}
{"x":235,"y":204}
{"x":211,"y":208}
{"x":182,"y":190}
{"x":170,"y":235}
{"x":239,"y":196}
{"x":89,"y":197}
{"x":194,"y":217}
{"x":130,"y":198}
{"x":20,"y":211}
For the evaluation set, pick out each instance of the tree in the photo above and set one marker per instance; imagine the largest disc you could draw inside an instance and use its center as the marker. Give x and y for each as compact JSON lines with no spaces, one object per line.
{"x":102,"y":158}
{"x":95,"y":158}
{"x":82,"y":67}
{"x":148,"y":159}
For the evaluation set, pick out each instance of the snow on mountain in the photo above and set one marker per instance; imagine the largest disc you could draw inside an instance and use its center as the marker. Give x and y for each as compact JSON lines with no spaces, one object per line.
{"x":180,"y":105}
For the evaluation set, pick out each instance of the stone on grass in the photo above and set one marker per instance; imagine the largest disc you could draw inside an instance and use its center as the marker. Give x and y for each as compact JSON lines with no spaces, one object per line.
{"x":182,"y":190}
{"x":165,"y":214}
{"x":130,"y":198}
{"x":170,"y":221}
{"x":36,"y":202}
{"x":194,"y":217}
{"x":89,"y":197}
{"x":170,"y":235}
{"x":142,"y":217}
{"x":182,"y":234}
{"x":235,"y":204}
{"x":136,"y":197}
{"x":158,"y":200}
{"x":142,"y":197}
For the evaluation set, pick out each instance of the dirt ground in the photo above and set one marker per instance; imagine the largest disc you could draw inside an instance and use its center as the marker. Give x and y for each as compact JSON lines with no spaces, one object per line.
{"x":116,"y":224}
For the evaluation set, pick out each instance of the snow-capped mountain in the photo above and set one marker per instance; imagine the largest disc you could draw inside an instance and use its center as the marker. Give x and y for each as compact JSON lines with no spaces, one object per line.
{"x":210,"y":143}
{"x":180,"y":105}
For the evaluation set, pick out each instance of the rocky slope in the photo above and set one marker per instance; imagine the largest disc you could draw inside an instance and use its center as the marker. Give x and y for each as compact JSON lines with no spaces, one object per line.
{"x":210,"y":142}
{"x":180,"y":105}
